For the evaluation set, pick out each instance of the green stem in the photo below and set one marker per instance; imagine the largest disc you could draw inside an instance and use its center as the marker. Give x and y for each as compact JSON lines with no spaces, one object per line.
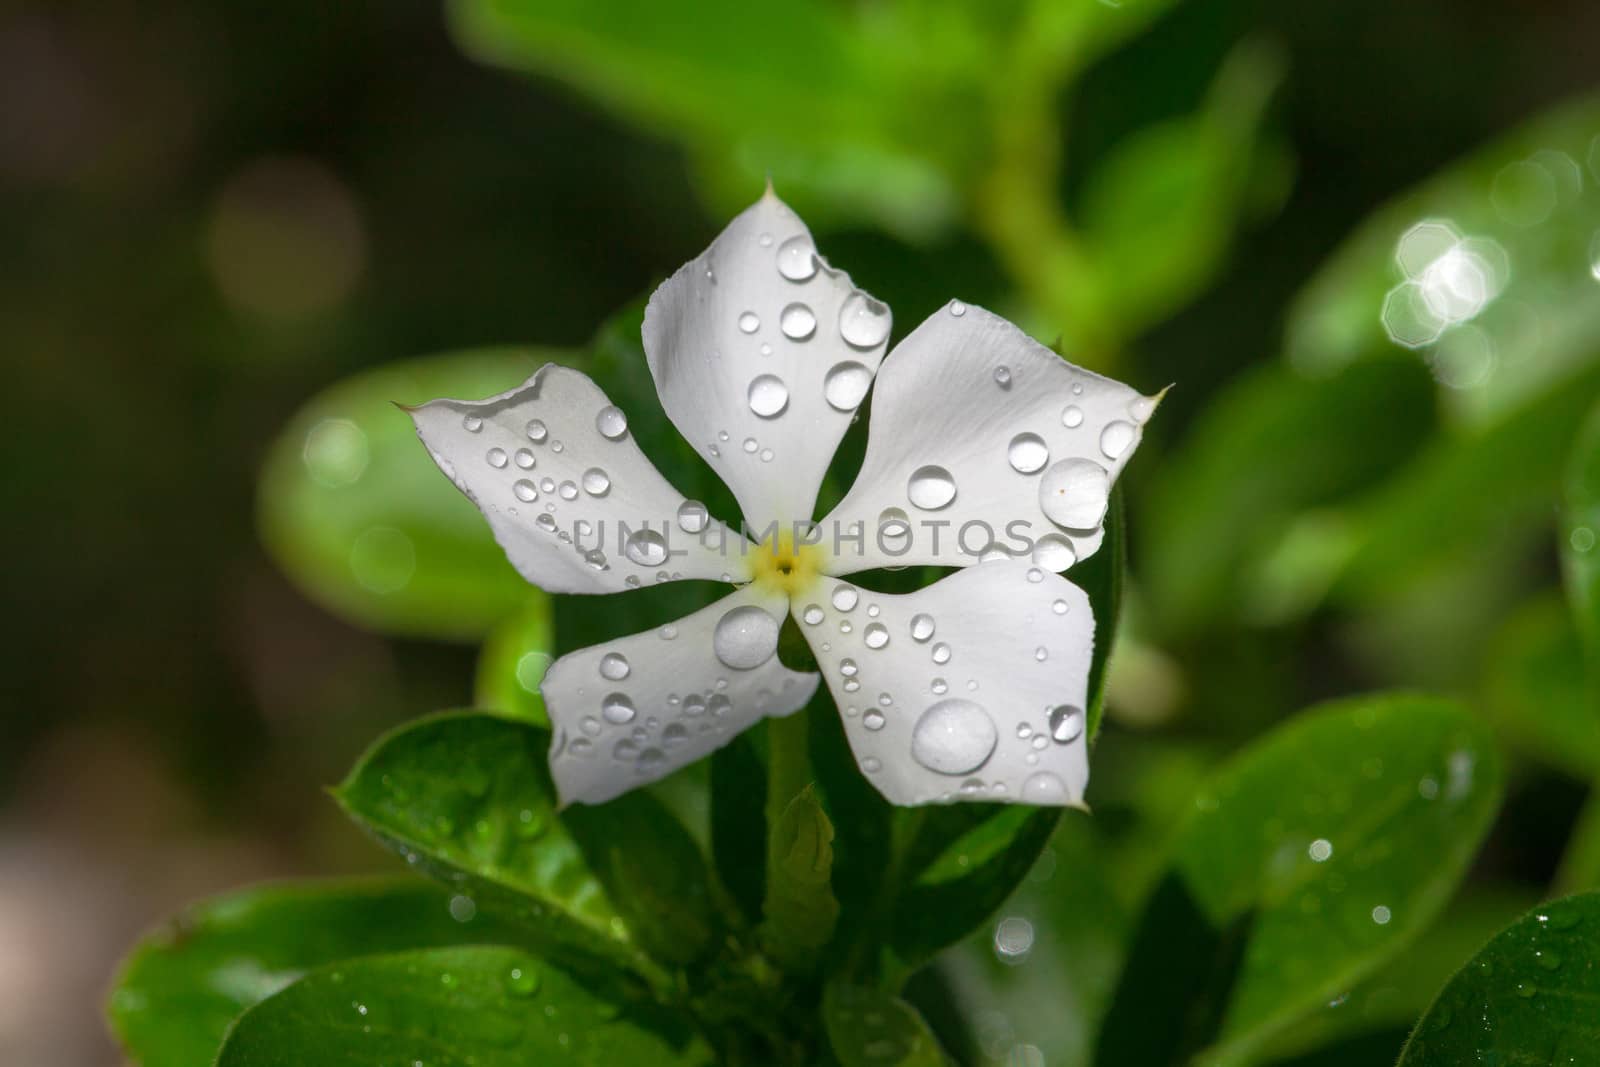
{"x":788,"y":772}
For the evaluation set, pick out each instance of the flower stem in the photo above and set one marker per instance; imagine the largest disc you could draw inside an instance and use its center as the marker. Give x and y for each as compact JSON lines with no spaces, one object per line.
{"x":788,"y":772}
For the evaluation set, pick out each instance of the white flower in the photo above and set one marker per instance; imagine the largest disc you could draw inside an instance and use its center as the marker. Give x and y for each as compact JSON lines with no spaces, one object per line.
{"x":984,"y":447}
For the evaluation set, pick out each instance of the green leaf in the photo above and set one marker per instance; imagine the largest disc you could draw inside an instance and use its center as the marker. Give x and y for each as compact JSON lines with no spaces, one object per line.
{"x":513,"y":660}
{"x":801,"y":910}
{"x":1101,"y":577}
{"x":187,"y":980}
{"x":1160,"y":210}
{"x":467,"y":798}
{"x":484,"y":1006}
{"x":1528,"y":997}
{"x":1305,"y":443}
{"x":1521,"y":204}
{"x":738,"y":823}
{"x":1580,"y":548}
{"x":1535,"y":691}
{"x":870,"y":1028}
{"x":1308,"y":861}
{"x":364,"y":524}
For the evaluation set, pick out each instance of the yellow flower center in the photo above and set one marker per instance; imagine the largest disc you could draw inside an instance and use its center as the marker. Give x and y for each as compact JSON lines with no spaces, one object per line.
{"x":785,"y":566}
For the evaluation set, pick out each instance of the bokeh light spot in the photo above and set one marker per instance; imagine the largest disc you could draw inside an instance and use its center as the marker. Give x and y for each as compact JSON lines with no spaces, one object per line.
{"x":335,"y":453}
{"x":383,"y":559}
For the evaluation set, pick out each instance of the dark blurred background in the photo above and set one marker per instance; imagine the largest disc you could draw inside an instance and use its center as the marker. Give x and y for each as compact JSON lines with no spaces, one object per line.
{"x":208,"y":212}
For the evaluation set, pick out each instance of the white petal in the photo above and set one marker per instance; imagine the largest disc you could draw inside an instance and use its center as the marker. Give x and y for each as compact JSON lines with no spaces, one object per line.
{"x":762,"y":353}
{"x":983,"y":440}
{"x":633,"y":710}
{"x":575,"y":504}
{"x":974,"y":688}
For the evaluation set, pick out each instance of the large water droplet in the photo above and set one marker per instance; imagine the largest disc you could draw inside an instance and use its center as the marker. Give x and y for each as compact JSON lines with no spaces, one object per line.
{"x":525,"y":458}
{"x":618,"y":709}
{"x":797,"y":322}
{"x":536,"y":431}
{"x":1066,"y":723}
{"x":845,"y":598}
{"x":525,"y":491}
{"x":745,"y":637}
{"x":1115,"y":438}
{"x":614,"y":666}
{"x":954,"y":737}
{"x":797,"y":258}
{"x":921,"y":627}
{"x":1073,"y":493}
{"x":894,"y":531}
{"x":749,"y":322}
{"x":472,"y":424}
{"x":611,"y":422}
{"x":646,"y":548}
{"x":596,"y":482}
{"x":941,"y":653}
{"x":1054,"y":553}
{"x":497,"y":458}
{"x":569,"y":490}
{"x":1028,"y":453}
{"x":692,"y":516}
{"x":846,"y":385}
{"x":813,"y":614}
{"x":1044,"y":788}
{"x":863,"y":321}
{"x":931,"y":488}
{"x":876,"y":635}
{"x":768,"y":395}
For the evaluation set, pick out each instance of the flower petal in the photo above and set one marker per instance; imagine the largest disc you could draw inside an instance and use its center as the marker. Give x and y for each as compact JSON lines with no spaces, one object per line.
{"x":762,"y":353}
{"x":575,"y":504}
{"x":974,"y":688}
{"x":630,"y":711}
{"x":983,"y":440}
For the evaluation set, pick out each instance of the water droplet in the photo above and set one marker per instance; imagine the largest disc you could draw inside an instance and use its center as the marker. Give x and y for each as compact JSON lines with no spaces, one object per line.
{"x":525,"y":458}
{"x":797,"y":258}
{"x":1072,"y":416}
{"x":1074,"y":492}
{"x":751,"y":444}
{"x":497,"y":458}
{"x":745,"y":637}
{"x":618,"y":709}
{"x":595,"y":558}
{"x":646,"y":548}
{"x":1041,"y":654}
{"x":1002,"y":377}
{"x":1115,"y":438}
{"x":813,"y":614}
{"x":873,"y":720}
{"x":872,"y":764}
{"x":957,"y":308}
{"x":1059,"y":607}
{"x":525,"y":491}
{"x":894,"y":531}
{"x":846,"y":385}
{"x":768,"y":396}
{"x":472,"y":423}
{"x":611,"y":422}
{"x":863,"y":322}
{"x":692,"y":516}
{"x":1044,"y":788}
{"x":765,"y":240}
{"x":596,"y":482}
{"x":523,"y":981}
{"x":845,"y":597}
{"x":797,"y":322}
{"x":1550,"y":961}
{"x":1028,"y":453}
{"x":931,"y":488}
{"x":614,"y":665}
{"x":569,"y":490}
{"x":953,"y":737}
{"x":922,"y":627}
{"x":1054,"y":553}
{"x":749,"y":322}
{"x":876,"y":635}
{"x":1066,"y":723}
{"x":941,"y":653}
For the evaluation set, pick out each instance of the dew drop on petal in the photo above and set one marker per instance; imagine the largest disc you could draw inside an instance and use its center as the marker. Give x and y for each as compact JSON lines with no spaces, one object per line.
{"x":863,"y":321}
{"x":525,"y":458}
{"x":536,"y":431}
{"x":1002,"y":377}
{"x":931,"y":487}
{"x":614,"y":666}
{"x":941,"y":653}
{"x":813,"y":614}
{"x":1028,"y":453}
{"x":876,"y":635}
{"x":957,"y":308}
{"x":1066,"y":723}
{"x":646,"y":548}
{"x":846,"y":385}
{"x":797,"y":258}
{"x":894,"y":531}
{"x":845,"y":598}
{"x":692,"y":516}
{"x":611,"y":422}
{"x":1054,"y":553}
{"x":1115,"y":438}
{"x":954,"y":737}
{"x":472,"y":423}
{"x":1074,"y":492}
{"x":768,"y":395}
{"x":873,"y":720}
{"x":921,"y":627}
{"x":525,"y":491}
{"x":749,"y":322}
{"x":1072,"y":416}
{"x":618,"y":709}
{"x":1044,"y":788}
{"x":746,"y":637}
{"x":596,"y":482}
{"x":497,"y":458}
{"x":569,"y":490}
{"x":797,"y":322}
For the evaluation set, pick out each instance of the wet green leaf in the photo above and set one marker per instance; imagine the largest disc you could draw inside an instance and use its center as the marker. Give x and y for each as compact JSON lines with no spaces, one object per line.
{"x":485,"y":1006}
{"x":467,"y":798}
{"x":188,"y":979}
{"x":801,"y":911}
{"x":870,"y":1028}
{"x":1580,"y":532}
{"x":362,"y":521}
{"x":1312,"y":858}
{"x":513,"y":660}
{"x":1528,"y":997}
